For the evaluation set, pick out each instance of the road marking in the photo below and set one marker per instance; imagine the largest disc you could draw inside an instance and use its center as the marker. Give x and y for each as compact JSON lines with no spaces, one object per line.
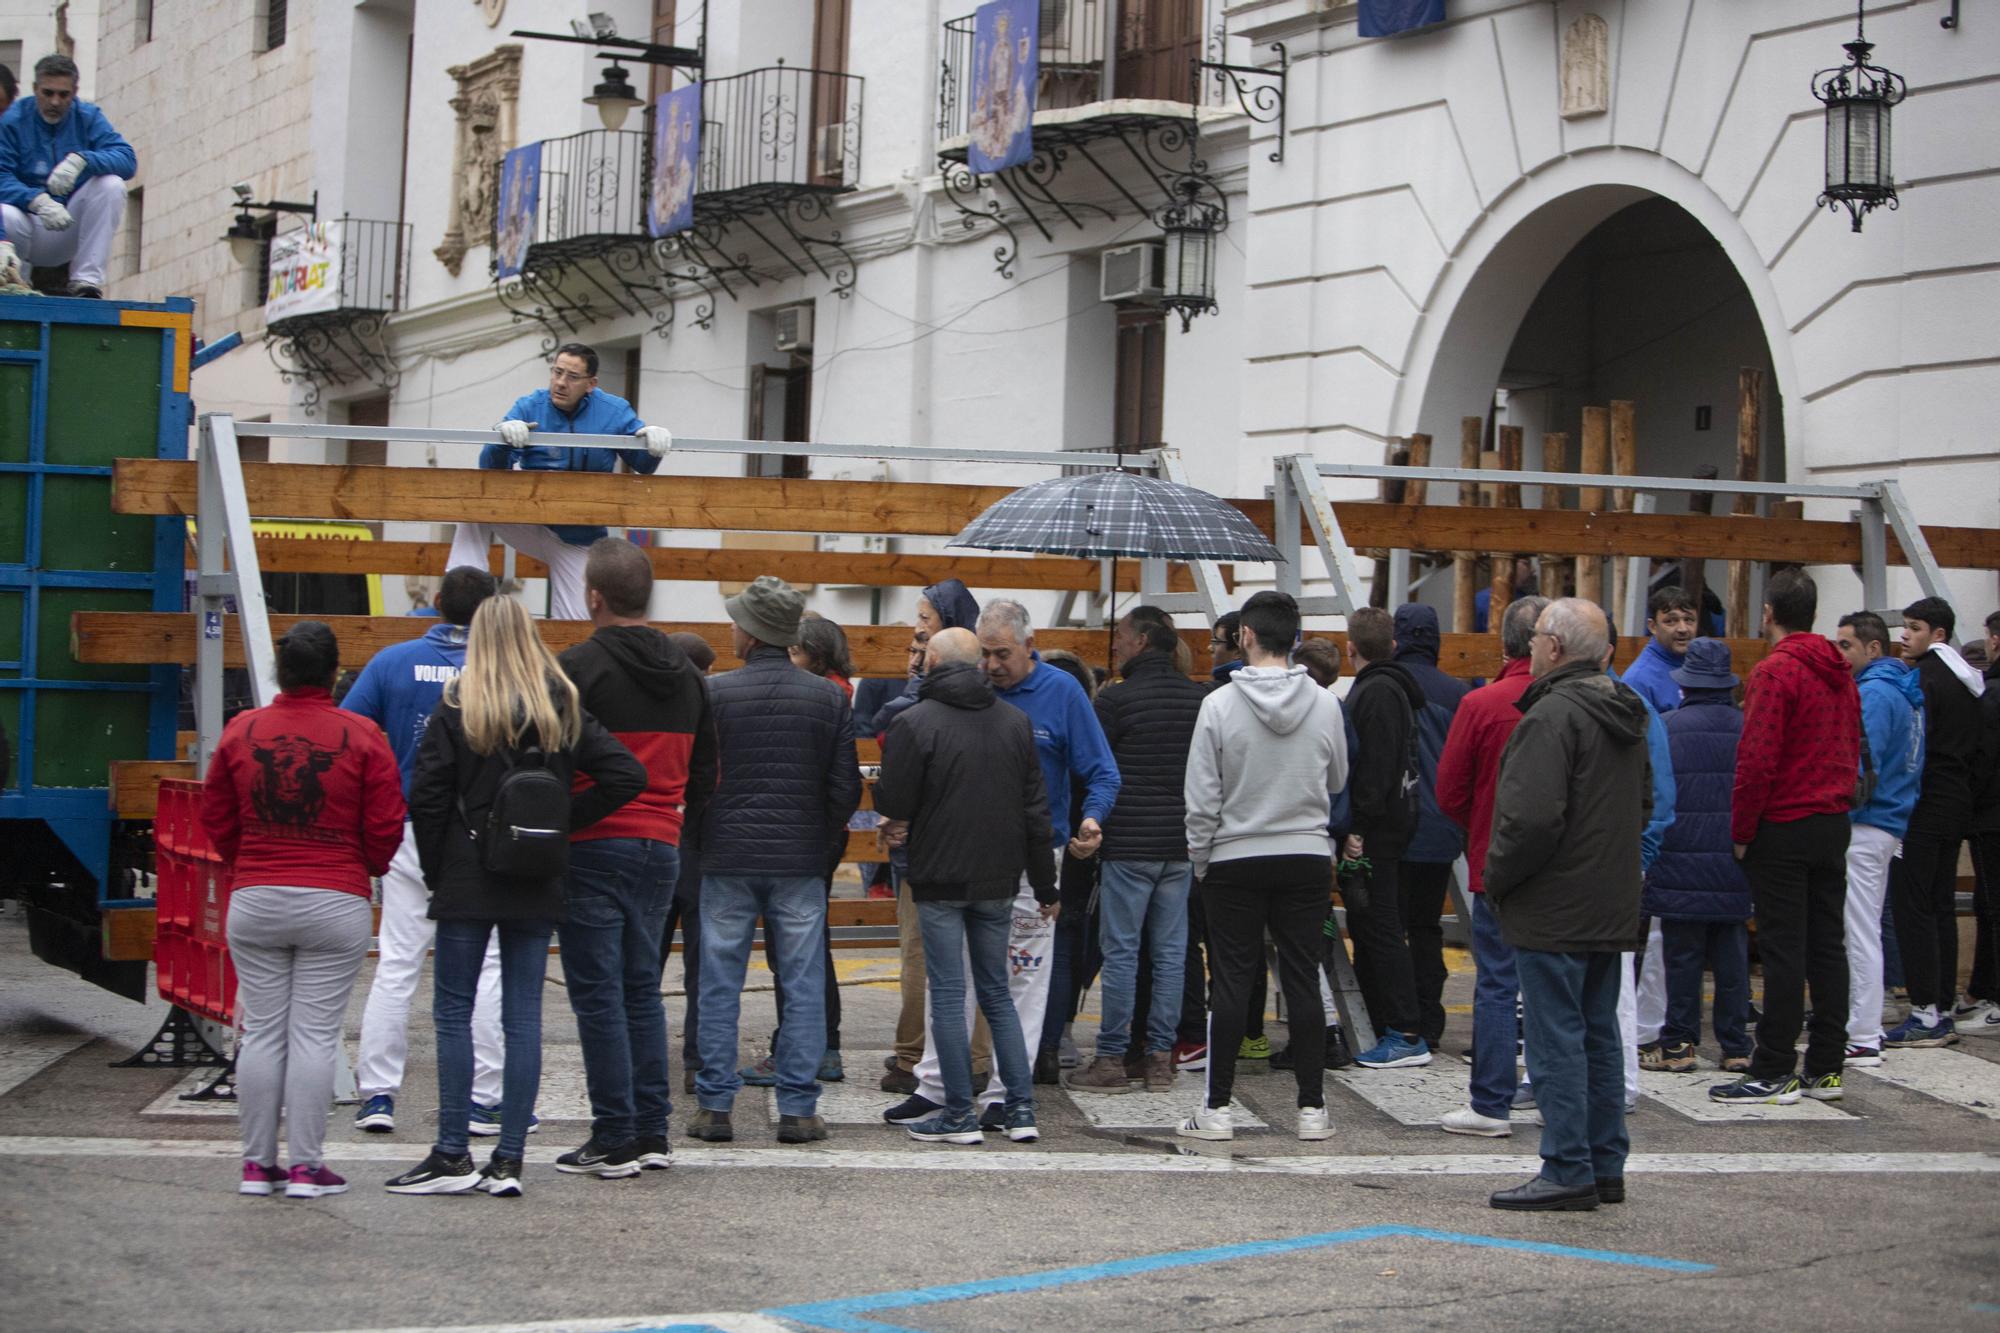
{"x":25,"y":1055}
{"x":1416,"y":1096}
{"x":1949,"y":1076}
{"x":848,"y":1316}
{"x":563,"y":1095}
{"x":1153,"y":1110}
{"x":1012,"y":1159}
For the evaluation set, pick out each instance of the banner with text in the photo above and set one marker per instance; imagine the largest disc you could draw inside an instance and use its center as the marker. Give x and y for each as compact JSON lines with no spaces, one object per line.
{"x":305,"y":272}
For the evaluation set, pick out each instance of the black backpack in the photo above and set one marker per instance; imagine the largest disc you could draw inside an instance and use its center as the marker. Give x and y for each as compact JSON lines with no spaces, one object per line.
{"x":525,"y":834}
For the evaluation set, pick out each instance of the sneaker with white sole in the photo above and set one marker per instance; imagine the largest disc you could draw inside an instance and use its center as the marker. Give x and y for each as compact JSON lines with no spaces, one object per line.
{"x":436,"y":1174}
{"x":1395,"y":1051}
{"x":606,"y":1161}
{"x":911,"y":1109}
{"x":1749,"y":1091}
{"x":1862,"y":1057}
{"x":260,"y":1180}
{"x":377,"y":1115}
{"x":1914,"y":1032}
{"x":1983,"y":1020}
{"x":1823,"y":1088}
{"x":485,"y":1120}
{"x":1314,"y":1126}
{"x":1971,"y":1010}
{"x":946,"y":1128}
{"x":1465,"y":1120}
{"x":1190,"y":1056}
{"x":1214,"y":1123}
{"x":654,"y":1152}
{"x":1018,"y":1124}
{"x":313,"y":1182}
{"x":501,"y":1178}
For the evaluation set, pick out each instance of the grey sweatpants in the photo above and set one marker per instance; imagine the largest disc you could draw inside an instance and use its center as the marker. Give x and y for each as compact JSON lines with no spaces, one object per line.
{"x":297,"y":952}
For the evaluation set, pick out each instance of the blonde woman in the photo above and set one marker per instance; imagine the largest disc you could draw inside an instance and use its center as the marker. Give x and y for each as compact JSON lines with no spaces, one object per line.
{"x":511,"y":708}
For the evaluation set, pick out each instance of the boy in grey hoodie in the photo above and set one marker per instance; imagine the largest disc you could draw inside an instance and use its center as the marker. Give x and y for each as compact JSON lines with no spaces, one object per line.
{"x":1269,"y":748}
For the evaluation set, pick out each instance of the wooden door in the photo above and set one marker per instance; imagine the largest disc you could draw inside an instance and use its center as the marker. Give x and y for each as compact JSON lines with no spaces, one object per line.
{"x":826,"y":149}
{"x":1158,"y":41}
{"x":1137,"y":418}
{"x":663,"y":35}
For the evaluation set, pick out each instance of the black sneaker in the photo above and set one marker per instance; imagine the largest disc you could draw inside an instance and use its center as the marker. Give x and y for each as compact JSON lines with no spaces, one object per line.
{"x":606,"y":1161}
{"x":86,"y":292}
{"x":1339,"y":1055}
{"x":1048,"y":1067}
{"x":711,"y":1127}
{"x":501,"y":1178}
{"x":993,"y":1119}
{"x":653,"y":1151}
{"x":436,"y":1174}
{"x":913,"y":1108}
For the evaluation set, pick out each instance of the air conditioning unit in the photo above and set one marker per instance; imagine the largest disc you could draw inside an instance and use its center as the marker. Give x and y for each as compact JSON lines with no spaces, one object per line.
{"x":1130,"y":272}
{"x":795,"y":328}
{"x":830,"y":149}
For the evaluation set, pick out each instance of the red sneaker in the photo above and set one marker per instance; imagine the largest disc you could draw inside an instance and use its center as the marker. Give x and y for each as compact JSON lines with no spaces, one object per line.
{"x":1190,"y":1055}
{"x":310,"y":1182}
{"x":260,"y":1180}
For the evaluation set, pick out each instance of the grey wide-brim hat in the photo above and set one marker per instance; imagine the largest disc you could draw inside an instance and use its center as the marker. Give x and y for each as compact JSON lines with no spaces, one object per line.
{"x":1706,"y":667}
{"x":768,"y":610}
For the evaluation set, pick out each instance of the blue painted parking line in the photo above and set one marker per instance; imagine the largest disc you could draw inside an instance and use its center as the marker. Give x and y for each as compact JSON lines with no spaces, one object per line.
{"x":849,"y":1315}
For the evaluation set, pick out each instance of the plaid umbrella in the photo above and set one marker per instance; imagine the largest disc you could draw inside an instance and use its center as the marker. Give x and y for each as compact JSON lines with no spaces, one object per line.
{"x":1118,"y":514}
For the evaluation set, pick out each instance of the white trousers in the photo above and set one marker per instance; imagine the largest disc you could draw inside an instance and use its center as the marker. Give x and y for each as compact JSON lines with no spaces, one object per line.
{"x":1651,"y":1014}
{"x":1869,"y":852}
{"x":97,"y":207}
{"x":405,"y":938}
{"x":472,"y":542}
{"x":1031,"y":943}
{"x":1628,"y":1029}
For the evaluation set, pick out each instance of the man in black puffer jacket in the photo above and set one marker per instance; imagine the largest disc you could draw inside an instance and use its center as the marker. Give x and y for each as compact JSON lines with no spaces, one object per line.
{"x":1148,"y":718}
{"x":963,"y":783}
{"x":1436,"y":842}
{"x":789,"y":782}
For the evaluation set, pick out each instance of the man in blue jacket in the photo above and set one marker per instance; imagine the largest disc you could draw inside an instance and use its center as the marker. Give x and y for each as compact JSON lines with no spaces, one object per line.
{"x":398,"y":690}
{"x":1437,"y":843}
{"x":1670,"y":620}
{"x":1068,"y":740}
{"x":62,"y":179}
{"x":571,"y":405}
{"x":1892,"y":725}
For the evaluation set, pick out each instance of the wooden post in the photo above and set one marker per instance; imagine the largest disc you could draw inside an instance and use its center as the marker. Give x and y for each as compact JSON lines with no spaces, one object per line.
{"x":1390,"y":491}
{"x":1694,"y":572}
{"x":1596,"y":462}
{"x":1625,"y":463}
{"x":1749,"y":434}
{"x":1555,"y":458}
{"x":1464,"y":565}
{"x":1508,"y":496}
{"x":1416,"y":490}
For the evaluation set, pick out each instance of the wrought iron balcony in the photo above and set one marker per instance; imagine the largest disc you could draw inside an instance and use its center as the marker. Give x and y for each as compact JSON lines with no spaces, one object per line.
{"x":1070,"y":50}
{"x":593,"y":193}
{"x":332,"y":286}
{"x":771,"y":135}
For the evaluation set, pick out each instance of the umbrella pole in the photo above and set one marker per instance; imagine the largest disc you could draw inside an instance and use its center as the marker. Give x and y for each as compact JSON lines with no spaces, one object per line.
{"x":1111,"y":625}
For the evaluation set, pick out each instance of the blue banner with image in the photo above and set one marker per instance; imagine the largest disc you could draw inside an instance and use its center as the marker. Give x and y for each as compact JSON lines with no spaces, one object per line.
{"x":676,"y":161}
{"x":1006,"y":66}
{"x":1386,"y":18}
{"x":520,"y":194}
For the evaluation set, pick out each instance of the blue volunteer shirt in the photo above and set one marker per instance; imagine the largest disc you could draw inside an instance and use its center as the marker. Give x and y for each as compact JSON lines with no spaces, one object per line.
{"x":30,"y":148}
{"x":400,"y":687}
{"x":596,"y":413}
{"x":1069,"y":740}
{"x":1654,"y":837}
{"x":1650,"y":677}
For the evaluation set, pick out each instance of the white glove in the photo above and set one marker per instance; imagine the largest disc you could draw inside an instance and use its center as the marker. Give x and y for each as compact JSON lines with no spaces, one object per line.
{"x":10,"y":263}
{"x":53,"y":215}
{"x":63,"y":179}
{"x":658,"y":439}
{"x":514,"y":434}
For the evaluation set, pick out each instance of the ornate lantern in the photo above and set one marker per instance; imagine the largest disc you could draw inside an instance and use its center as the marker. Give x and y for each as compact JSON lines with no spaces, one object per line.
{"x":1858,"y":98}
{"x":1190,"y":226}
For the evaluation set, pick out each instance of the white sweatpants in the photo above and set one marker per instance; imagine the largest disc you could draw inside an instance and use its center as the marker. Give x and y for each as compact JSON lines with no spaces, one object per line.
{"x":1652,"y":1008}
{"x":1031,"y":943}
{"x":1628,"y":1030}
{"x":405,"y":938}
{"x":1869,"y":852}
{"x":96,"y":207}
{"x":472,"y":542}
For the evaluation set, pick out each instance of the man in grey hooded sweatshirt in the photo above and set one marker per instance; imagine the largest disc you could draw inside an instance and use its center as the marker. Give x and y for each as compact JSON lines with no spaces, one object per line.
{"x":1269,"y":749}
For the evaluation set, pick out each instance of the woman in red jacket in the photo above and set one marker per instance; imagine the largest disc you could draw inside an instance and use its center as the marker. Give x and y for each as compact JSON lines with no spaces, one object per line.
{"x":304,"y":802}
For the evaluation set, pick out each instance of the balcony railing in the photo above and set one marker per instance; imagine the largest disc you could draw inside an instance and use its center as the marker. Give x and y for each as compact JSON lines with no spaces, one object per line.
{"x":343,"y":266}
{"x":593,"y":189}
{"x":779,"y":131}
{"x":1071,"y":55}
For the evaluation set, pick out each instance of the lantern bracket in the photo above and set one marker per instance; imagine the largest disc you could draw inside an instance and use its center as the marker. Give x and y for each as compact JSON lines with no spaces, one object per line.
{"x":1264,"y":103}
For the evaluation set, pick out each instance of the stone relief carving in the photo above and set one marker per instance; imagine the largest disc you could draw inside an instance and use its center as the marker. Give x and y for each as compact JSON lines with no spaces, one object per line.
{"x":488,"y":89}
{"x":1586,"y":68}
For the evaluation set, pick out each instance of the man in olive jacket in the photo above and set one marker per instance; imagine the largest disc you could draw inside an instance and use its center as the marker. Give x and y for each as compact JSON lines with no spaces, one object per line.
{"x":1562,"y":876}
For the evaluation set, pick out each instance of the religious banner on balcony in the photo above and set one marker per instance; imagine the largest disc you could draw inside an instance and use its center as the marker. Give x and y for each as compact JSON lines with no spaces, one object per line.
{"x":1005,"y":71}
{"x":1386,"y":18}
{"x":520,"y":194}
{"x":676,"y":159}
{"x":305,"y":272}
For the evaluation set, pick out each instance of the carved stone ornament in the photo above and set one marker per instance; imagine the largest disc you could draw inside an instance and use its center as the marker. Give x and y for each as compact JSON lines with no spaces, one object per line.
{"x":487,"y":91}
{"x":1586,"y":68}
{"x":491,"y":10}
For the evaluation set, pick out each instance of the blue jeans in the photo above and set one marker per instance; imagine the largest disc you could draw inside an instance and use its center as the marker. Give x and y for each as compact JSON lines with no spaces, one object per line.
{"x":1577,"y":1060}
{"x":1149,"y":899}
{"x":954,"y":931}
{"x":524,"y":961}
{"x":794,"y":913}
{"x":1690,"y":947}
{"x":618,"y":893}
{"x":1493,"y":1028}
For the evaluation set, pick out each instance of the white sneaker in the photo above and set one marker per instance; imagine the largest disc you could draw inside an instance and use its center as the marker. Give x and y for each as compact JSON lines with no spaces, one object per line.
{"x":1970,"y":1010}
{"x":1465,"y":1120}
{"x":1983,"y":1021}
{"x":1214,"y":1123}
{"x":1314,"y":1125}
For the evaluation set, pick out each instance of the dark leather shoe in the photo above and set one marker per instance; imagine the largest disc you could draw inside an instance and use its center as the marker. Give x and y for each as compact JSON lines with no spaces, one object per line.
{"x":900,"y":1081}
{"x":1611,"y":1190}
{"x":1542,"y":1195}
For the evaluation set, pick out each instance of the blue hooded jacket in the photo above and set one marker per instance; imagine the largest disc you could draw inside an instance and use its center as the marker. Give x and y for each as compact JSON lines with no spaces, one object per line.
{"x":1648,"y":675}
{"x":400,"y":687}
{"x":955,"y":605}
{"x":1660,"y":752}
{"x":1697,"y":876}
{"x":1892,"y":718}
{"x":1435,"y":837}
{"x":597,"y":413}
{"x":30,"y":148}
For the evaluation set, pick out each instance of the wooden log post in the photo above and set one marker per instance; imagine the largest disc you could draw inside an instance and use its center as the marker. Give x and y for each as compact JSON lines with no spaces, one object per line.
{"x":1415,"y":492}
{"x":1395,"y":453}
{"x":1507,"y":496}
{"x":1464,"y":564}
{"x":1694,"y":569}
{"x":1625,"y":463}
{"x":1749,"y":436}
{"x":1596,"y":461}
{"x":1555,"y":458}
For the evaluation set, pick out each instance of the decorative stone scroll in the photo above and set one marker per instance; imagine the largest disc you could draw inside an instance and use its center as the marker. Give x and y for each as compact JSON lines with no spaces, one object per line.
{"x":487,"y":91}
{"x":1586,"y":68}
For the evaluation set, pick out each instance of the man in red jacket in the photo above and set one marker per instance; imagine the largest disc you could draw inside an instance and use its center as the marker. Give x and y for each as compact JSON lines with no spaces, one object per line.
{"x":1466,"y":773}
{"x":1795,"y":773}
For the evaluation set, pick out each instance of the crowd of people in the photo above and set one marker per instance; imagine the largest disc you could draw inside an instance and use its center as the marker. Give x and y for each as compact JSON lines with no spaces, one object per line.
{"x":1154,"y":832}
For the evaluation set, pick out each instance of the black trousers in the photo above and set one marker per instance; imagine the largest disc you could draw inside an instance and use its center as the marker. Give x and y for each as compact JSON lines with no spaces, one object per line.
{"x":1425,"y":886}
{"x":1286,"y":895}
{"x":1381,"y":956}
{"x":684,"y":914}
{"x":1985,"y":982}
{"x":1798,"y":882}
{"x":1193,"y":1030}
{"x":1923,"y":893}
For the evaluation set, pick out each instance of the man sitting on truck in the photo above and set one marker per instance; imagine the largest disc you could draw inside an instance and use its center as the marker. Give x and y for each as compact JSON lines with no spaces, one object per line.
{"x":62,"y":180}
{"x":572,"y":404}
